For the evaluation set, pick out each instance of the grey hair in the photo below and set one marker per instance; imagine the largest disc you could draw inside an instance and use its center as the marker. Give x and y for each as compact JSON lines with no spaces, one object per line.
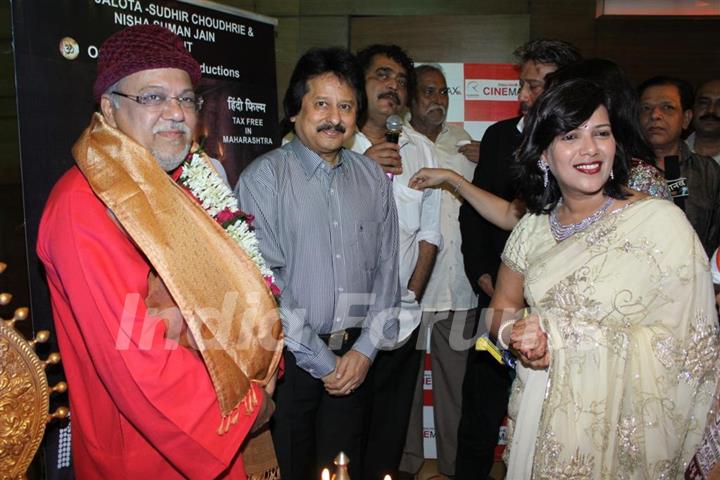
{"x":547,"y":51}
{"x":429,"y":67}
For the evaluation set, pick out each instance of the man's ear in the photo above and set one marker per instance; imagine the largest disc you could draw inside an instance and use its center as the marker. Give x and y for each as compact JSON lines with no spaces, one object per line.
{"x":687,"y":118}
{"x":108,"y":110}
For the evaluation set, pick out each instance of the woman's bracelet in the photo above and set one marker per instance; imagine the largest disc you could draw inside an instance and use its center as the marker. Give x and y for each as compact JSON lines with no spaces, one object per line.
{"x":456,"y":186}
{"x":500,"y":342}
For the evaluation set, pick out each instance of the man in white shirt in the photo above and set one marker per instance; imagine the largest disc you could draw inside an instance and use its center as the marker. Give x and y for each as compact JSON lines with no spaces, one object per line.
{"x":389,"y":76}
{"x":449,"y":301}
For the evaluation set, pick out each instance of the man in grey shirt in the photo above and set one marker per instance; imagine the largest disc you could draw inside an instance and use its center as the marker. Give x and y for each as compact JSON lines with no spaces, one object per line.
{"x":665,"y":112}
{"x":327,"y":226}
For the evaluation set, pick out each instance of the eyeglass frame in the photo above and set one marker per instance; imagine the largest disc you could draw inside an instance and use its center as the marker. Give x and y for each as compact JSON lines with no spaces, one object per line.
{"x":199,"y":100}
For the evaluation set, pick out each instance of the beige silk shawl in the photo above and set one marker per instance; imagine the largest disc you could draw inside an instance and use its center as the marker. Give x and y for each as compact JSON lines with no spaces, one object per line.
{"x":220,"y":292}
{"x":629,"y":309}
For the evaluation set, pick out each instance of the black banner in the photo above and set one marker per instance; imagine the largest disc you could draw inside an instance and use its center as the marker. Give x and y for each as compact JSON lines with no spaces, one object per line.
{"x":56,"y":48}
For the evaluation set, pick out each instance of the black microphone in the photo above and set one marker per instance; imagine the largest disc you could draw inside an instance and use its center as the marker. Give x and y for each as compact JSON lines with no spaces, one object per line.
{"x":677,"y":184}
{"x":393,"y":124}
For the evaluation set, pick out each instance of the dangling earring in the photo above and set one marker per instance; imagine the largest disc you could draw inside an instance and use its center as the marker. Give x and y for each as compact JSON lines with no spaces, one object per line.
{"x":544,"y":167}
{"x":612,"y":175}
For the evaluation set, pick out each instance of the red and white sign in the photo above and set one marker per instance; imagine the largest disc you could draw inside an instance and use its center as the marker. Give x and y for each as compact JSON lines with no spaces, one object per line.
{"x":491,"y":90}
{"x":429,"y":448}
{"x":481,"y":94}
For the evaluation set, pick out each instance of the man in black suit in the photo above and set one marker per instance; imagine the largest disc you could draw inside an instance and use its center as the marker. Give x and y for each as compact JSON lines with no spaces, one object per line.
{"x":486,"y":386}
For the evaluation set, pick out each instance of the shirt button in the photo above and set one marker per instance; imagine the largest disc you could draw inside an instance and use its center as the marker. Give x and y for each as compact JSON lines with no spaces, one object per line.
{"x":337,"y":255}
{"x":335,"y":224}
{"x":341,"y":289}
{"x":337,"y":319}
{"x":332,"y":190}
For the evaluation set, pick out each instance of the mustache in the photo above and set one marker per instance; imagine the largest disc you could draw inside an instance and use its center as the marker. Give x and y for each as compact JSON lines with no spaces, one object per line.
{"x":710,"y":116}
{"x":390,"y":94}
{"x":437,"y":107}
{"x":171,"y":126}
{"x":339,"y":127}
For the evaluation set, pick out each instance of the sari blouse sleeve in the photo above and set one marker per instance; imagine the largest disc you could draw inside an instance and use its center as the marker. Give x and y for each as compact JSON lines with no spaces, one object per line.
{"x":514,"y":255}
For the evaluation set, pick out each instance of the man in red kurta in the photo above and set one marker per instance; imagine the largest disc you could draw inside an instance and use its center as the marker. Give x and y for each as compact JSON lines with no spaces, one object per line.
{"x":143,"y":405}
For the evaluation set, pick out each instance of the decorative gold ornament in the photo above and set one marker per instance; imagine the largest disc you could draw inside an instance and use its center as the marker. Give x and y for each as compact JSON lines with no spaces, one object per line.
{"x":24,"y":394}
{"x":341,"y":467}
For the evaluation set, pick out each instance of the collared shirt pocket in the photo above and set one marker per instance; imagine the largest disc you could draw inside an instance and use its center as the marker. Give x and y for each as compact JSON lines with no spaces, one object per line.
{"x":409,"y":207}
{"x":367,"y":236}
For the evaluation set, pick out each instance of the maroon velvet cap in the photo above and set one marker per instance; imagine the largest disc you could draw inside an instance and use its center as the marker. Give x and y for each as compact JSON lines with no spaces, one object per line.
{"x":141,"y":47}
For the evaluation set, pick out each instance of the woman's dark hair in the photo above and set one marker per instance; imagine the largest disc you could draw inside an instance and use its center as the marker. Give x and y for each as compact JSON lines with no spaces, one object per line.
{"x":559,"y":110}
{"x":318,"y":61}
{"x":623,"y":102}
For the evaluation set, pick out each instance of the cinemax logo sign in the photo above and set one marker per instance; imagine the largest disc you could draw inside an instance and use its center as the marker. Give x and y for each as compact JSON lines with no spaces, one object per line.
{"x":497,"y":90}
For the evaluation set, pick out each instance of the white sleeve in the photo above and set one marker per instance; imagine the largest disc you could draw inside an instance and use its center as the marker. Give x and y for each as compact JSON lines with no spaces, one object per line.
{"x":714,"y":268}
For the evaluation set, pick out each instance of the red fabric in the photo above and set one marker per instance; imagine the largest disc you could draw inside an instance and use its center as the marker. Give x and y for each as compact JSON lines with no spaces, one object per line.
{"x":141,"y":47}
{"x":139,"y":409}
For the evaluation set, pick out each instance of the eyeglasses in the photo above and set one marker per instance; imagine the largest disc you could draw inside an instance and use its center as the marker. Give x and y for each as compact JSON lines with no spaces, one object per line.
{"x":186,"y":102}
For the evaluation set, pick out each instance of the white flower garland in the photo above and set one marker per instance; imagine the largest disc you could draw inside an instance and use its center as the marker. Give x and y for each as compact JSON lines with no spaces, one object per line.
{"x":214,"y":197}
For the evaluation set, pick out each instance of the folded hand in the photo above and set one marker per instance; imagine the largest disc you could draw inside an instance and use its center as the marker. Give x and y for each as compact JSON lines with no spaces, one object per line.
{"x":350,"y":372}
{"x":530,"y":342}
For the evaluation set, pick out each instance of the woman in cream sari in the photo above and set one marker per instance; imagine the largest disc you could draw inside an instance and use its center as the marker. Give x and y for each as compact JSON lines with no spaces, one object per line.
{"x":619,"y":353}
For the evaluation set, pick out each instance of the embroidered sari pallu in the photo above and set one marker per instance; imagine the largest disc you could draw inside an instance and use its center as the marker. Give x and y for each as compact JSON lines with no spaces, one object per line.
{"x":629,"y":310}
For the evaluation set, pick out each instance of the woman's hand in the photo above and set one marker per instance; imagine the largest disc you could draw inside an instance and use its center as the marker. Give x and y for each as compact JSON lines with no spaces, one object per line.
{"x":529,"y":342}
{"x":432,"y":177}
